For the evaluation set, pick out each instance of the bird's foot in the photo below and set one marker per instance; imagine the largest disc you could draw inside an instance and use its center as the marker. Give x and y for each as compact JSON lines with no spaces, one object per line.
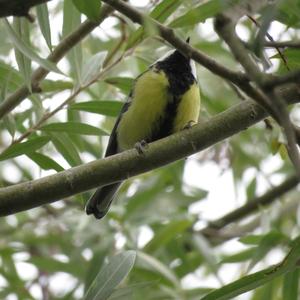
{"x":189,"y":124}
{"x":141,"y":146}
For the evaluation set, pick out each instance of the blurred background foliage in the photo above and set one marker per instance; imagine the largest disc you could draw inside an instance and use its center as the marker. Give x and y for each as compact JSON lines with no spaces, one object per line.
{"x":56,"y":251}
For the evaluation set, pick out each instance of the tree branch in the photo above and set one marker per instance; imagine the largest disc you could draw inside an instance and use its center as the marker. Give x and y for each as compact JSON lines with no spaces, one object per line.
{"x":282,"y":44}
{"x":129,"y":163}
{"x":58,"y":53}
{"x":169,"y":35}
{"x":18,"y":8}
{"x":253,"y":204}
{"x":270,"y":100}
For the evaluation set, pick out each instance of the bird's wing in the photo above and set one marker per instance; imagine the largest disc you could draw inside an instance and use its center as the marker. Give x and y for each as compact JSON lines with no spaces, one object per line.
{"x":112,"y":147}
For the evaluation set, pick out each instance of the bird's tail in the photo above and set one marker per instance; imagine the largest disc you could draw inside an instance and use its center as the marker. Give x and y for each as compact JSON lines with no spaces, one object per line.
{"x":99,"y":203}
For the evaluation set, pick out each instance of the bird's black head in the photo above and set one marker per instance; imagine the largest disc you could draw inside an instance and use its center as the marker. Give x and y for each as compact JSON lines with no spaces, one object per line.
{"x":179,"y":69}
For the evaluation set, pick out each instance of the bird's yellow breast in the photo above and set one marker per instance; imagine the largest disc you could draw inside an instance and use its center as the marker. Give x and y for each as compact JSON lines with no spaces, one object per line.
{"x":149,"y":100}
{"x":149,"y":106}
{"x":188,"y":108}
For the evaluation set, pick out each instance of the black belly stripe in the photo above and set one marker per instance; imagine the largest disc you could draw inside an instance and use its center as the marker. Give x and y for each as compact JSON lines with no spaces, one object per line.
{"x":165,"y":125}
{"x":180,"y":80}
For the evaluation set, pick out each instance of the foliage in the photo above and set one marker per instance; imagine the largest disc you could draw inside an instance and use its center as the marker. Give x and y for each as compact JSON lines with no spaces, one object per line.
{"x":56,"y":251}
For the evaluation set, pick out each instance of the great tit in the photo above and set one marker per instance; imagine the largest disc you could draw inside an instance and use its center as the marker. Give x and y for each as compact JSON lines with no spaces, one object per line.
{"x":163,"y":100}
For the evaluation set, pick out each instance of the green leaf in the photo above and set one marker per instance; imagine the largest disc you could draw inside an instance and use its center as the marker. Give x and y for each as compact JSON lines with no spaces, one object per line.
{"x":71,"y":21}
{"x":92,"y":68}
{"x":55,"y":85}
{"x":283,"y":151}
{"x":91,"y":8}
{"x":155,"y":265}
{"x":123,"y":83}
{"x":251,"y":189}
{"x":292,"y":56}
{"x":25,"y":147}
{"x":106,"y":108}
{"x":73,"y":128}
{"x":24,"y":64}
{"x":51,"y":265}
{"x":251,"y":239}
{"x":291,"y":285}
{"x":122,"y":292}
{"x":257,"y":279}
{"x":111,"y":275}
{"x":160,"y":13}
{"x":267,"y":243}
{"x":27,"y":51}
{"x":10,"y":124}
{"x":239,"y":257}
{"x":45,"y":162}
{"x":288,"y":13}
{"x":43,"y":19}
{"x":66,"y":148}
{"x":206,"y":251}
{"x":201,"y":13}
{"x":92,"y":268}
{"x":167,"y":233}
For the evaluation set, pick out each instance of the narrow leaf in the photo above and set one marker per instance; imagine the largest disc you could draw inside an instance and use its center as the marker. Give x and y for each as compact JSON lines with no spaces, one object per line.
{"x":160,"y":13}
{"x":154,"y":264}
{"x":45,"y":162}
{"x":167,"y":233}
{"x":74,"y":128}
{"x":66,"y":148}
{"x":110,"y":276}
{"x":71,"y":20}
{"x":92,"y":68}
{"x":27,"y":51}
{"x":43,"y":19}
{"x":123,"y":83}
{"x":24,"y":148}
{"x":106,"y":108}
{"x":24,"y":64}
{"x":91,"y":8}
{"x":291,"y":285}
{"x":200,"y":13}
{"x":255,"y":280}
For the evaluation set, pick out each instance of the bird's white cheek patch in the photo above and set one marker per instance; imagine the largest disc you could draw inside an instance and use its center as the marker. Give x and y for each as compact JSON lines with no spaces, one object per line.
{"x":194,"y":70}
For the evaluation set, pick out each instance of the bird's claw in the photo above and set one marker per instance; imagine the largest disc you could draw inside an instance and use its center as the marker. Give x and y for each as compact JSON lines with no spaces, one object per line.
{"x":141,"y":146}
{"x":189,"y":124}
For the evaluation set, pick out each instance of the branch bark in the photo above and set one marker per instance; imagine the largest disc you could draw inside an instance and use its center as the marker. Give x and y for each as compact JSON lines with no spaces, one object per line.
{"x":129,"y":163}
{"x":18,"y":8}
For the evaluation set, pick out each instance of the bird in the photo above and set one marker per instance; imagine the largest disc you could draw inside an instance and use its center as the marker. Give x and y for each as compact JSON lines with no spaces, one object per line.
{"x":163,"y":100}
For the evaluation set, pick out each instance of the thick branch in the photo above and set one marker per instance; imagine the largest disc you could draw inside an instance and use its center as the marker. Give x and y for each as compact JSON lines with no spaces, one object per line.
{"x":19,"y":8}
{"x":124,"y":165}
{"x":58,"y":53}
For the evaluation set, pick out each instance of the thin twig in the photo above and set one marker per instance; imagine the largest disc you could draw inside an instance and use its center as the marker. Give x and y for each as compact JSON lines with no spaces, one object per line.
{"x":270,"y":38}
{"x":282,"y":44}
